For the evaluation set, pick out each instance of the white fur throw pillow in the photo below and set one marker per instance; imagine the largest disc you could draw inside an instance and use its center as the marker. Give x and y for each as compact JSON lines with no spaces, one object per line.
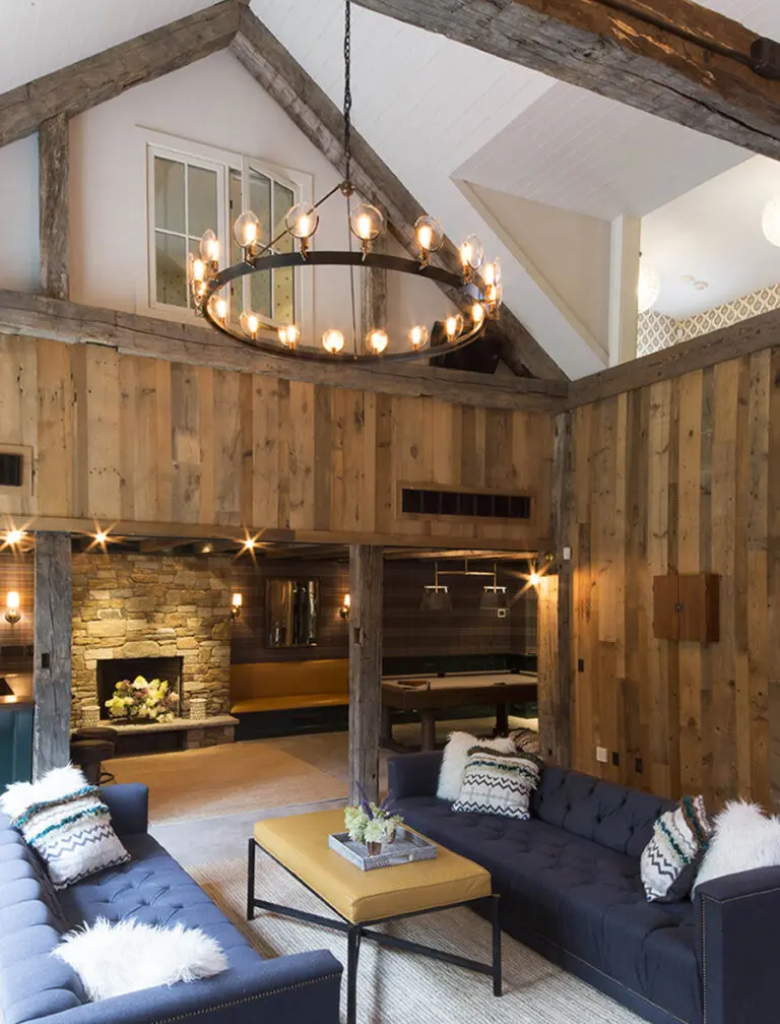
{"x":743,"y":838}
{"x":114,"y":959}
{"x":455,"y":756}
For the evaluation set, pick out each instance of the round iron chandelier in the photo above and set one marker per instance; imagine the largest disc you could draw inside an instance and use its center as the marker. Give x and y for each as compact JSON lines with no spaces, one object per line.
{"x":477,"y":284}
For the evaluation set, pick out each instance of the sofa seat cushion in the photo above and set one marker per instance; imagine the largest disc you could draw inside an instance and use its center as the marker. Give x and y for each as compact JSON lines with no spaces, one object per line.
{"x":585,"y":898}
{"x":612,"y":816}
{"x":289,"y":702}
{"x":155,"y":889}
{"x":31,"y":923}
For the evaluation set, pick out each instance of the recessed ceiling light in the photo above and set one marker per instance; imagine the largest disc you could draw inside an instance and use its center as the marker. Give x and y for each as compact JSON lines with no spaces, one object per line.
{"x":687,"y":278}
{"x":701,"y":286}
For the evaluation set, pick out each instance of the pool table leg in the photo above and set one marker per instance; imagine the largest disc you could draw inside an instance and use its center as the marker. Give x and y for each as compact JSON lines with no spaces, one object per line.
{"x":428,"y":729}
{"x":502,"y":720}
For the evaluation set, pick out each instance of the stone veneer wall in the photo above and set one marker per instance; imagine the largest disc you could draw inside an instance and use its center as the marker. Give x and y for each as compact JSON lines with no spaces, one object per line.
{"x":145,"y":606}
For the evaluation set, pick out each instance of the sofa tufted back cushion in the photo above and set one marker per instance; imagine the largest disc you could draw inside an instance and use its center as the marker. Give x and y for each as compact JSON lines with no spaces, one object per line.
{"x":31,"y":922}
{"x":618,"y":818}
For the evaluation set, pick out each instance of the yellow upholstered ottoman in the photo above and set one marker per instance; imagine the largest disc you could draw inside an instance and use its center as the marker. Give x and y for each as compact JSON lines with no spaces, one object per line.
{"x":362,"y":898}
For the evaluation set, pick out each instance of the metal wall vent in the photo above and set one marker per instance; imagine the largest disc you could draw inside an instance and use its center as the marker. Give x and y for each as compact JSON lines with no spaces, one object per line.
{"x":465,"y":504}
{"x":10,"y":470}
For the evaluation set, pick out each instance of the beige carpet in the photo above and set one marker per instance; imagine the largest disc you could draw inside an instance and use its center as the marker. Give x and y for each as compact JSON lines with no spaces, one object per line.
{"x":396,"y":987}
{"x":228,"y":779}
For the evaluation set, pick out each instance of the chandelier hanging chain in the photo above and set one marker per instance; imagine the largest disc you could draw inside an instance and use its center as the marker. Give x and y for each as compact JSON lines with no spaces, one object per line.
{"x":348,"y":91}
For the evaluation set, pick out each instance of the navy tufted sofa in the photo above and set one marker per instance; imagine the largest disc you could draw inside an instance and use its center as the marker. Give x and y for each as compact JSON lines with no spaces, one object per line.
{"x":152,"y":888}
{"x":570,"y":887}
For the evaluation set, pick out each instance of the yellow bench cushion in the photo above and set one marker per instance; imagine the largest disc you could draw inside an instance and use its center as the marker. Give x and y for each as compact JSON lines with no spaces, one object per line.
{"x":278,"y":678}
{"x":290,"y":702}
{"x":300,"y":843}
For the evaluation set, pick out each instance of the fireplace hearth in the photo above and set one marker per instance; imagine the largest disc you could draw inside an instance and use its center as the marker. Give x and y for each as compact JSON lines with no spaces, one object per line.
{"x":113,"y":670}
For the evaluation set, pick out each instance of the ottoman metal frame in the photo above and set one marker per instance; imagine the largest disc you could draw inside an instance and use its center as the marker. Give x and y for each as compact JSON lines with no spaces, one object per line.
{"x":364,"y":930}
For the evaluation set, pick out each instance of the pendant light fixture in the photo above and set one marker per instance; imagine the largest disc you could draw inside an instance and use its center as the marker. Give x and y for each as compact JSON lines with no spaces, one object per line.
{"x":475,"y":284}
{"x":493,"y":596}
{"x":436,"y":596}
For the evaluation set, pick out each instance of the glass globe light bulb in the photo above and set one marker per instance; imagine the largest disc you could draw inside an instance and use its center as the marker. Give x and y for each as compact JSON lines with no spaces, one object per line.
{"x":477,"y":314}
{"x":209,"y":247}
{"x":333,"y":341}
{"x":367,"y":222}
{"x":302,"y":220}
{"x":221,"y":309}
{"x":491,"y":273}
{"x":419,"y":337}
{"x":250,"y":323}
{"x":377,"y":341}
{"x":429,"y":234}
{"x":247,"y":229}
{"x":289,"y":335}
{"x":197,"y":270}
{"x":648,"y":287}
{"x":472,"y":253}
{"x":453,"y":326}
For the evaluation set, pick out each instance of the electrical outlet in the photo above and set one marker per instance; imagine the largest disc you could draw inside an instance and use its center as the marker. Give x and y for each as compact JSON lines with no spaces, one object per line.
{"x":580,"y":664}
{"x":567,"y":554}
{"x":615,"y":758}
{"x":501,"y":613}
{"x":602,"y":755}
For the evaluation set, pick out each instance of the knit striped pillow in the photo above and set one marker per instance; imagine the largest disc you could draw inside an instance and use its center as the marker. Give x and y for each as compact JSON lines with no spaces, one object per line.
{"x":670,"y":860}
{"x":66,"y":822}
{"x":495,"y":783}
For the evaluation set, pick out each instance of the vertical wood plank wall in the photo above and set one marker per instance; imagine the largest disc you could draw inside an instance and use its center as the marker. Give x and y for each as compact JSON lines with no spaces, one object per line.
{"x":119,"y":437}
{"x":682,"y":476}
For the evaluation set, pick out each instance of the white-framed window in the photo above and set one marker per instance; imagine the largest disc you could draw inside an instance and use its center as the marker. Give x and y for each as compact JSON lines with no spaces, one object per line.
{"x":191,"y":187}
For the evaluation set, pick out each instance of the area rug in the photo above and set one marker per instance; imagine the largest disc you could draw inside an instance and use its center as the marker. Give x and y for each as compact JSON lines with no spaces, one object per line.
{"x":395,"y":987}
{"x":227,"y":779}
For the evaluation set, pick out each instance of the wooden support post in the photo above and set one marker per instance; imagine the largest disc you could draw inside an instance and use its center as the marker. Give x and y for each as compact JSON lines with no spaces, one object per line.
{"x":366,"y":573}
{"x":373,"y":305}
{"x":53,"y":163}
{"x":555,"y":594}
{"x":52,"y":673}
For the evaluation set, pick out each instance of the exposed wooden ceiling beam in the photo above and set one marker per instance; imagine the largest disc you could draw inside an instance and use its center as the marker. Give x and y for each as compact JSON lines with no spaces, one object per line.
{"x":96,"y":79}
{"x":307,"y":105}
{"x":597,"y":45}
{"x":443,"y":555}
{"x":742,"y":339}
{"x":53,"y":174}
{"x":39,"y":317}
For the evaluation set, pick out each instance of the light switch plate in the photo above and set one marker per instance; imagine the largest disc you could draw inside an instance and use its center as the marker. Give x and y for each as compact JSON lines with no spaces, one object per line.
{"x":567,"y":554}
{"x":602,"y":755}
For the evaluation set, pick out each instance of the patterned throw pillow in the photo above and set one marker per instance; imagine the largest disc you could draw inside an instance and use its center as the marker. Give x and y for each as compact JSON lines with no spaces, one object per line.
{"x":66,"y":822}
{"x":526,"y":740}
{"x":671,"y":858}
{"x":496,"y":783}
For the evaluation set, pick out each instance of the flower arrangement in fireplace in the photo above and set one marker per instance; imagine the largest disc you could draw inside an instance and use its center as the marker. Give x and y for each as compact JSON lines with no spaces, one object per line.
{"x":141,"y":699}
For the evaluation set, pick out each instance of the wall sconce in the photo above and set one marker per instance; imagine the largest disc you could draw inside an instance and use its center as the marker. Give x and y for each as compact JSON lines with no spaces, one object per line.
{"x":12,"y":603}
{"x":236,"y":603}
{"x":345,"y":608}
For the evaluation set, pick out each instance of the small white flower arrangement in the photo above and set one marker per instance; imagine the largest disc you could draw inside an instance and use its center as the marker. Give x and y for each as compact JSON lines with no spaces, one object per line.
{"x":372,"y":824}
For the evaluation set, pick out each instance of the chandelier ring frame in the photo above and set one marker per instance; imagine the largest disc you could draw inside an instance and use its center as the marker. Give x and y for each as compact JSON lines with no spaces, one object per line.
{"x":313,"y":258}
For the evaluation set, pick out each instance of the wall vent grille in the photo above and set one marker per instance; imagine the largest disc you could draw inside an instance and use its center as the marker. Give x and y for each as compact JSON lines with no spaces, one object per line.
{"x":10,"y":470}
{"x":427,"y":501}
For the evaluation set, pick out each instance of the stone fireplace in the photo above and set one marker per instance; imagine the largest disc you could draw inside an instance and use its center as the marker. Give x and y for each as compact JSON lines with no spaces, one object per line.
{"x":161,"y":612}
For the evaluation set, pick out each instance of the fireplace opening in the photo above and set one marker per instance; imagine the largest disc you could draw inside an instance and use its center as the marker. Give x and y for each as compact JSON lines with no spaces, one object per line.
{"x":113,"y":671}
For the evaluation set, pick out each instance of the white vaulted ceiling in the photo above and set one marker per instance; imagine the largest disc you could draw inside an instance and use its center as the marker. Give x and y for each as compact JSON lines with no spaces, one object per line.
{"x":441,"y":114}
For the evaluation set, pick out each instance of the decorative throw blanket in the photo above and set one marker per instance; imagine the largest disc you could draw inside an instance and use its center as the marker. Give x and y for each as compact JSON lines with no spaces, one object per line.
{"x":64,"y":819}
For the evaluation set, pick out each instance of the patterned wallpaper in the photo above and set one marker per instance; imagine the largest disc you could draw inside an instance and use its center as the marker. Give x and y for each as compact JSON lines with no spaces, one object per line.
{"x":657,"y":332}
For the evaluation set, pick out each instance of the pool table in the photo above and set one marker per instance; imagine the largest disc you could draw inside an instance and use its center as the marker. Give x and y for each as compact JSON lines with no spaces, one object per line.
{"x":429,"y":696}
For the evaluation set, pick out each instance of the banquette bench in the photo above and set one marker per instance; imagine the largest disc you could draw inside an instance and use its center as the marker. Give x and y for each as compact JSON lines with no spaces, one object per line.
{"x":273,"y":696}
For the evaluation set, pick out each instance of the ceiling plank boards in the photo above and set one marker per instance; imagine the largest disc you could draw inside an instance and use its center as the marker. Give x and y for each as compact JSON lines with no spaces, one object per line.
{"x":96,"y":79}
{"x":602,"y":48}
{"x":308,"y":106}
{"x":39,"y":317}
